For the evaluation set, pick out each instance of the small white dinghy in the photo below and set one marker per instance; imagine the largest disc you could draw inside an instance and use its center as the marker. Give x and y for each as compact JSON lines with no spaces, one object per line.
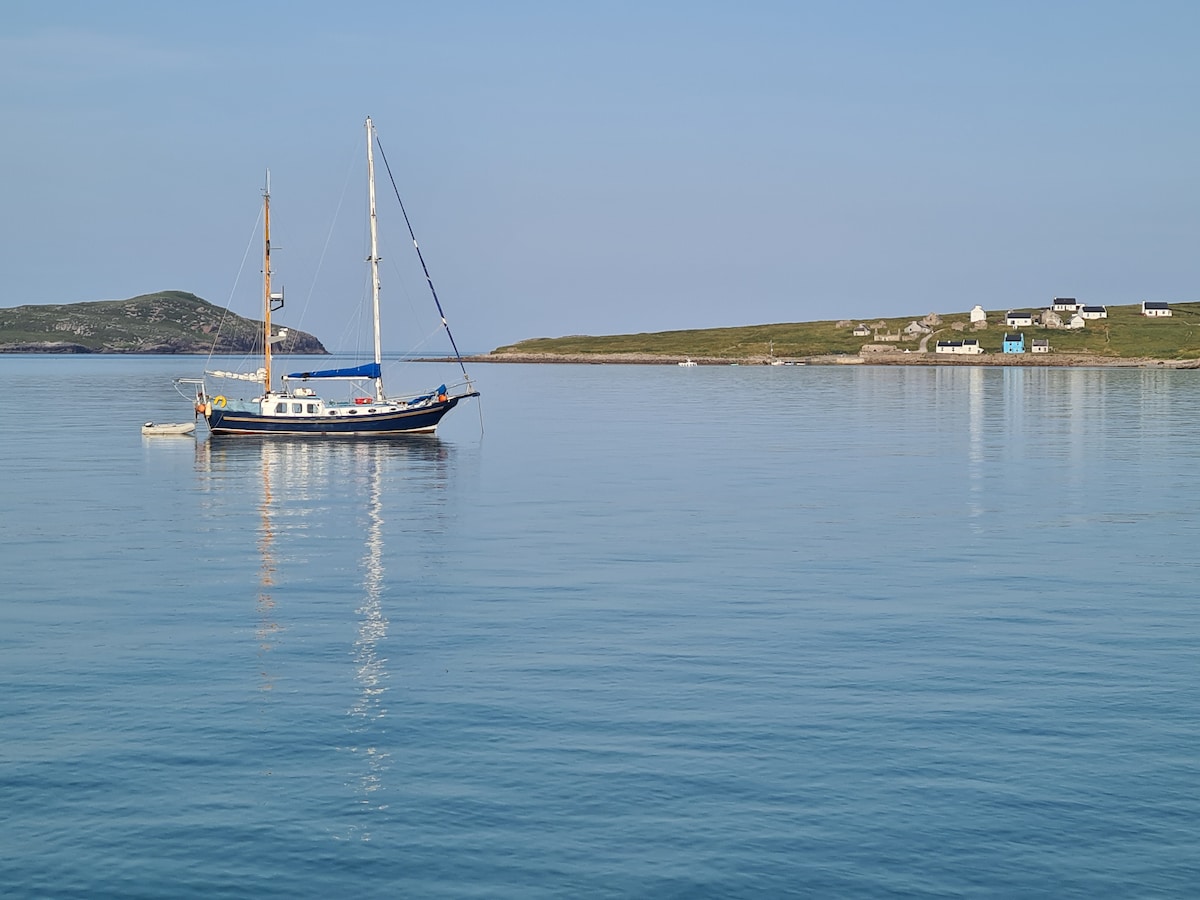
{"x":168,"y":428}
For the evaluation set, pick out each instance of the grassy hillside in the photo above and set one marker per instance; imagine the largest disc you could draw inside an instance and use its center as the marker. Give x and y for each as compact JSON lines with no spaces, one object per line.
{"x":164,"y":322}
{"x":1126,"y":333}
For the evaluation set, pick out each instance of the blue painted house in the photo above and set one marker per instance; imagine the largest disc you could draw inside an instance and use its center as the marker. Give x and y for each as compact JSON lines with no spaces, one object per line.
{"x":1014,"y":343}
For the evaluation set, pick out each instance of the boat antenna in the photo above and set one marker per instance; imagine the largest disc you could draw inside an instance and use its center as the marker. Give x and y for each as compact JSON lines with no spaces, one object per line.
{"x":424,"y":268}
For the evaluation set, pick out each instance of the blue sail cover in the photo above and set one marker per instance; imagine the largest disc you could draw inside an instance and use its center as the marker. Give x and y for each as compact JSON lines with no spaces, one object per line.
{"x":370,"y":370}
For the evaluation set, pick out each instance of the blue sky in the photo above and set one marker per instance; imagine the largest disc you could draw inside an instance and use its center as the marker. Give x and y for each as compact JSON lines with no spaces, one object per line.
{"x":604,"y":167}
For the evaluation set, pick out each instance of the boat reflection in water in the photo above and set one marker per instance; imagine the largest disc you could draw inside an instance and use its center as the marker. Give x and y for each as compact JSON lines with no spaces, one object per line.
{"x":315,"y":505}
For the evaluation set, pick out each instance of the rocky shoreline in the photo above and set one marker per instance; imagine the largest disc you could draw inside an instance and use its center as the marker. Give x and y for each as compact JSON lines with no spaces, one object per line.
{"x":1059,"y":360}
{"x":67,"y":347}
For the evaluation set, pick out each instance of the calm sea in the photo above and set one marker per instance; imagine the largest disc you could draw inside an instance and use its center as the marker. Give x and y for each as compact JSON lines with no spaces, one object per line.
{"x":652,"y":632}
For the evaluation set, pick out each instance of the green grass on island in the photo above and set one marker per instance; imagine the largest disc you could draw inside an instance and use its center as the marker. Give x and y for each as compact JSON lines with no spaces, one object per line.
{"x":162,"y":322}
{"x":1125,"y":334}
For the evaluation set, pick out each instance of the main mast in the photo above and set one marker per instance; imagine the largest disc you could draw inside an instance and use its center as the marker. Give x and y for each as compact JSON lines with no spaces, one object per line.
{"x":267,"y":285}
{"x":374,"y":258}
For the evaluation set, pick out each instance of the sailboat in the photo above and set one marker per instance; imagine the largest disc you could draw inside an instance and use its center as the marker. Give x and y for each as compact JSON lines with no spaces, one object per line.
{"x":296,"y":407}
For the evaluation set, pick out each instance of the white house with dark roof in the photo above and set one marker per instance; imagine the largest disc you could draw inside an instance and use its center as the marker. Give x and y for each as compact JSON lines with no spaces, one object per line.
{"x":1018,"y":319}
{"x":862,"y":331}
{"x":1155,"y":309}
{"x":1041,"y":345}
{"x":1065,"y":304}
{"x":1094,"y":312}
{"x":968,"y":346}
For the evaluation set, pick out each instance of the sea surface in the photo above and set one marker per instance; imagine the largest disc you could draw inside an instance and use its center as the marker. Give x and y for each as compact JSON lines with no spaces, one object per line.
{"x":618,"y":631}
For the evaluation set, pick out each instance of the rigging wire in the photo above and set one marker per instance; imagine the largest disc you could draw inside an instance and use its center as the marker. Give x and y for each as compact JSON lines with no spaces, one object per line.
{"x":328,"y":239}
{"x":237,"y":279}
{"x":421,"y":257}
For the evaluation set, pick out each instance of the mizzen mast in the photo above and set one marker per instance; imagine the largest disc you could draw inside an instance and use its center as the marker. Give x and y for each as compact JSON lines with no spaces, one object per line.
{"x":272,"y":302}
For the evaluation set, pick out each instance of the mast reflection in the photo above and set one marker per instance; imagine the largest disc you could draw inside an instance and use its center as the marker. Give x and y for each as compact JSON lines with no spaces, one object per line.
{"x":267,"y":628}
{"x":371,"y":670}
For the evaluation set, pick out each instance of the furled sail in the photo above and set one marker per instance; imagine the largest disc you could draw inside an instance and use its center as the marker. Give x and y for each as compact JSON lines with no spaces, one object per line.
{"x":260,"y":375}
{"x":369,"y":370}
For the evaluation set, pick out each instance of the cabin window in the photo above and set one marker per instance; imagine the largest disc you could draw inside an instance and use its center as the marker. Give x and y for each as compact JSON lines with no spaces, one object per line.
{"x":280,"y":407}
{"x":312,"y":407}
{"x":297,"y":407}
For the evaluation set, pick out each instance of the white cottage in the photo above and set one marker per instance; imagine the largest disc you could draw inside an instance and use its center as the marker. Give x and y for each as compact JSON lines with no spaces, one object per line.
{"x":977,"y":314}
{"x":1065,"y":304}
{"x":1155,"y":309}
{"x":1018,"y":319}
{"x":1094,"y":312}
{"x":968,"y":347}
{"x":1041,"y":345}
{"x":1076,"y":322}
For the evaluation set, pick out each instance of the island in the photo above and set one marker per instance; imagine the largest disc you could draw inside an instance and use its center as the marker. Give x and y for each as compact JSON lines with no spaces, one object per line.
{"x":1065,"y":332}
{"x":162,"y":322}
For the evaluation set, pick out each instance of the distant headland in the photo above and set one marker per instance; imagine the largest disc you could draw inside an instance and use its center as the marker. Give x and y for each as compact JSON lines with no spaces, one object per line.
{"x":1064,"y":333}
{"x":163,"y":322}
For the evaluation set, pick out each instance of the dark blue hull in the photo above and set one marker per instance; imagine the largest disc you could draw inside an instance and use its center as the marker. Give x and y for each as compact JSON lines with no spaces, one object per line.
{"x":351,"y":423}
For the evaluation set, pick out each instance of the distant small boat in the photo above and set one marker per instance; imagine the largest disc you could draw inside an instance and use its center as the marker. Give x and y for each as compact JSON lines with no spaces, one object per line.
{"x":687,"y":363}
{"x":169,"y":428}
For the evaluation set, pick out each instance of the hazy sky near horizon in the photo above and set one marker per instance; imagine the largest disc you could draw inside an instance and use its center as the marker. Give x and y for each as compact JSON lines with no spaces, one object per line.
{"x":605,"y":167}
